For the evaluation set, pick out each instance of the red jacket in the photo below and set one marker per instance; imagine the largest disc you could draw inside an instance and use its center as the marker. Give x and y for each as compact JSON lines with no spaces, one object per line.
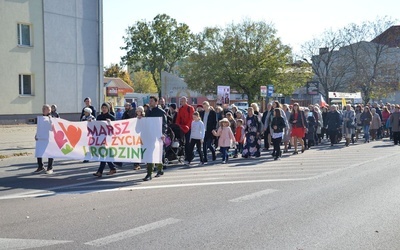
{"x":184,"y":117}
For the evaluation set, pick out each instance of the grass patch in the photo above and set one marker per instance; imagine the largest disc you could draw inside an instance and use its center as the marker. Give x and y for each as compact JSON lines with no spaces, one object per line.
{"x":4,"y":156}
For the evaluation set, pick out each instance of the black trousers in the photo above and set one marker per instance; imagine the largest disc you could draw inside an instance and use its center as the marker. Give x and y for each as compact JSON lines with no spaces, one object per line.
{"x":277,"y":146}
{"x":192,"y":143}
{"x":49,"y":164}
{"x":266,"y":143}
{"x":187,"y":146}
{"x":333,"y":136}
{"x":396,"y":137}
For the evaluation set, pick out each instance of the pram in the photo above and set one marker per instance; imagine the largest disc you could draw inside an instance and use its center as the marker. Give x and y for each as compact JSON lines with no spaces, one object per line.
{"x":174,"y":145}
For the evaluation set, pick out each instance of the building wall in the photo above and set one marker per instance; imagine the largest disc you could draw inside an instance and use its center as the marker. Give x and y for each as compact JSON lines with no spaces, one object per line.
{"x":65,"y":58}
{"x":15,"y":60}
{"x":72,"y":48}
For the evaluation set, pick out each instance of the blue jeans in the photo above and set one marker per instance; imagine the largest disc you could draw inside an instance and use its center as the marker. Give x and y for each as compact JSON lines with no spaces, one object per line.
{"x":224,"y":152}
{"x":366,"y":132}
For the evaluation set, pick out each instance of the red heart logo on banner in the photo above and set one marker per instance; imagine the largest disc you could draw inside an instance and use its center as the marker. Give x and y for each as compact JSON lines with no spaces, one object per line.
{"x":59,"y":138}
{"x":73,"y":133}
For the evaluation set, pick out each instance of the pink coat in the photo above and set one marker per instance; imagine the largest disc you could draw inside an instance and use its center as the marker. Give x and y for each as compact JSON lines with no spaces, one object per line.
{"x":225,"y":136}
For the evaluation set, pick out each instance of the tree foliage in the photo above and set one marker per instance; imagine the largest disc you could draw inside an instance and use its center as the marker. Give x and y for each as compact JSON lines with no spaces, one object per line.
{"x":243,"y":56}
{"x":156,"y":46}
{"x":115,"y":70}
{"x":144,"y":82}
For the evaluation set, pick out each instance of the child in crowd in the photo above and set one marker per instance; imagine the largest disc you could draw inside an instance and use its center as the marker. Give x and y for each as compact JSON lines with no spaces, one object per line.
{"x":46,"y":111}
{"x":239,"y":137}
{"x":87,"y":115}
{"x":225,"y":138}
{"x":196,"y":137}
{"x":139,"y":115}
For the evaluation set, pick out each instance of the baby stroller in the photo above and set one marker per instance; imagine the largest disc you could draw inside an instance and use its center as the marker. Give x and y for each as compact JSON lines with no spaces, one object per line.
{"x":174,"y":145}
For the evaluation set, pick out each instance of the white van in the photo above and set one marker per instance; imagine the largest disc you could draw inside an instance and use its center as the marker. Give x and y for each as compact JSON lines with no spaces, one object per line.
{"x":242,"y":105}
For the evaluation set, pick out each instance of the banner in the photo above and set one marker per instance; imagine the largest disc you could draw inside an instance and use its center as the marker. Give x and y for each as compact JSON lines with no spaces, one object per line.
{"x":223,"y":94}
{"x":132,"y":140}
{"x":340,"y":95}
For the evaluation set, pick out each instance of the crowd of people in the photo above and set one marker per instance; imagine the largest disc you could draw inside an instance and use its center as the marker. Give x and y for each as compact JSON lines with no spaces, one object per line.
{"x":281,"y":127}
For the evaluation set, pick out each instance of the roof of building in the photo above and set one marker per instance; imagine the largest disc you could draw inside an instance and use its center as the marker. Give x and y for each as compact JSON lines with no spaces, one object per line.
{"x":390,"y":37}
{"x":117,"y":82}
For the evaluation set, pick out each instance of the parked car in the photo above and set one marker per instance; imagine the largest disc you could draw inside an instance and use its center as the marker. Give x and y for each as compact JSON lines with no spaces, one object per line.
{"x":241,"y":105}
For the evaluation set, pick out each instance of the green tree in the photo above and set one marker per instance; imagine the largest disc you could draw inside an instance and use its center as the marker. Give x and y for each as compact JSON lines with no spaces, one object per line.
{"x":244,"y":56}
{"x":115,"y":70}
{"x":157,"y":46}
{"x":143,"y":82}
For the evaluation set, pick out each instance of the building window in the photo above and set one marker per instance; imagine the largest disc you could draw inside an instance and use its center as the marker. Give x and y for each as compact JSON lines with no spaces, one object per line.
{"x":24,"y":34}
{"x":25,"y":84}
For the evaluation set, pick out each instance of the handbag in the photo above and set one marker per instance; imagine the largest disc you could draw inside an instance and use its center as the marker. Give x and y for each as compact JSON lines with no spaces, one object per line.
{"x":350,"y":124}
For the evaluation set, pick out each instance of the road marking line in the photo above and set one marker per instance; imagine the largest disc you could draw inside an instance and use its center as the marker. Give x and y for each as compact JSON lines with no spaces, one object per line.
{"x":132,"y":232}
{"x":253,"y":195}
{"x":7,"y":243}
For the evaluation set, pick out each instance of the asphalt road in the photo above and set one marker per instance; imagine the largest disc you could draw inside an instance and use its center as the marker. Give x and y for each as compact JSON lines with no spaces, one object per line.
{"x":327,"y":198}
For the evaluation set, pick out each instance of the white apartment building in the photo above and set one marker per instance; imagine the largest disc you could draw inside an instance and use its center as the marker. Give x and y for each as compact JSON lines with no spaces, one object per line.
{"x":50,"y":52}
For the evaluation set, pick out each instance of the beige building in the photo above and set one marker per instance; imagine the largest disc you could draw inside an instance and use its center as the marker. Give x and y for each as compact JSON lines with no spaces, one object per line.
{"x":50,"y":52}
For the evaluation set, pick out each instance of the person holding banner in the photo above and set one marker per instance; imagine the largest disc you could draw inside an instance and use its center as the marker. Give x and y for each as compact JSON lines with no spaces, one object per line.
{"x":46,"y":110}
{"x":156,"y":111}
{"x":105,"y":116}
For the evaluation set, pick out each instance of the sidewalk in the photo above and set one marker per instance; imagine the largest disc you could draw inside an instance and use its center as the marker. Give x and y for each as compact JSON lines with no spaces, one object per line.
{"x":17,"y":140}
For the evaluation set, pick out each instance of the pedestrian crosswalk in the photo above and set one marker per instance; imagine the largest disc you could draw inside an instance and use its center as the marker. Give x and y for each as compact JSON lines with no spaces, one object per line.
{"x":311,"y":164}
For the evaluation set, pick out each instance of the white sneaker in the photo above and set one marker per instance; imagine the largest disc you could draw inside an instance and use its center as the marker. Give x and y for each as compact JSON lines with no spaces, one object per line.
{"x":223,"y":162}
{"x":50,"y":171}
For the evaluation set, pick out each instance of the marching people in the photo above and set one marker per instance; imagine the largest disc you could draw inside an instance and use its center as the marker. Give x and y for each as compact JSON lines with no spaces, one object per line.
{"x":129,"y":112}
{"x":385,"y":118}
{"x":156,"y":111}
{"x":358,"y":113}
{"x":88,"y":104}
{"x":46,"y":111}
{"x":105,"y":116}
{"x":318,"y":113}
{"x":184,"y":120}
{"x":287,"y":130}
{"x":172,"y":113}
{"x":309,"y":139}
{"x":239,"y":137}
{"x":277,"y":126}
{"x":197,"y":131}
{"x":333,"y":124}
{"x":54,"y":112}
{"x":253,"y":128}
{"x":226,"y":138}
{"x":348,"y":127}
{"x":395,"y":125}
{"x":265,"y":126}
{"x":298,"y":122}
{"x":209,"y":117}
{"x":87,"y":115}
{"x":376,"y":124}
{"x":139,"y":114}
{"x":366,"y":118}
{"x":232,"y":122}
